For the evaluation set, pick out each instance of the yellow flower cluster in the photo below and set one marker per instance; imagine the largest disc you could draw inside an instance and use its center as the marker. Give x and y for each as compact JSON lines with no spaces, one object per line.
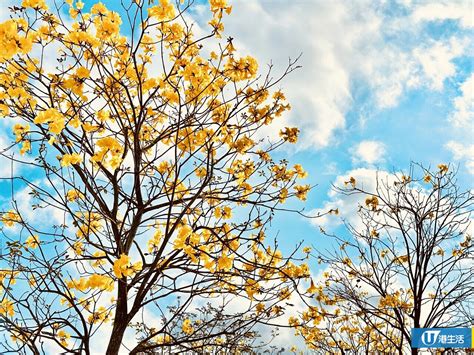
{"x":187,"y":327}
{"x":95,"y":281}
{"x":35,"y":4}
{"x":73,"y":195}
{"x":54,"y":119}
{"x":6,"y":308}
{"x":10,"y":218}
{"x":71,"y":159}
{"x":124,"y":268}
{"x":63,"y":337}
{"x":165,"y":11}
{"x":372,"y":202}
{"x":11,"y":42}
{"x":101,"y":315}
{"x":110,"y":152}
{"x":32,"y":242}
{"x":302,"y":191}
{"x":224,"y":213}
{"x":242,"y":69}
{"x":10,"y":274}
{"x":155,"y":242}
{"x":290,"y":134}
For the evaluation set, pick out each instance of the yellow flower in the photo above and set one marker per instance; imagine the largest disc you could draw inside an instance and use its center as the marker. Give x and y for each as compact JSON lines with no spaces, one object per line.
{"x":302,"y":191}
{"x":252,"y":287}
{"x":102,"y":282}
{"x":10,"y":218}
{"x":63,"y":337}
{"x":183,"y":233}
{"x":99,"y":316}
{"x":300,"y":171}
{"x":73,"y":195}
{"x":283,"y":195}
{"x":290,"y":134}
{"x":124,"y":268}
{"x":6,"y":308}
{"x":347,"y":261}
{"x":163,"y":167}
{"x":154,"y":243}
{"x":225,"y":262}
{"x":457,"y":252}
{"x":351,"y":181}
{"x":312,"y":288}
{"x":241,"y":69}
{"x":242,"y":145}
{"x":98,"y":259}
{"x":95,"y":281}
{"x":32,"y":241}
{"x":165,"y":11}
{"x":82,"y":72}
{"x":401,"y":259}
{"x":78,"y":248}
{"x":372,"y":202}
{"x":70,"y":159}
{"x":109,"y":148}
{"x":201,"y":172}
{"x":284,"y":294}
{"x":217,"y":5}
{"x":293,"y":322}
{"x":443,"y":168}
{"x":10,"y":41}
{"x":54,"y":118}
{"x":187,"y":327}
{"x":20,"y":131}
{"x":226,"y":212}
{"x":25,"y":147}
{"x":35,"y":4}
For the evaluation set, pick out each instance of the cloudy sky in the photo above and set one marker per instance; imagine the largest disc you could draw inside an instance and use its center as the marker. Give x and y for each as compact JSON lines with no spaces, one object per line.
{"x":382,"y":83}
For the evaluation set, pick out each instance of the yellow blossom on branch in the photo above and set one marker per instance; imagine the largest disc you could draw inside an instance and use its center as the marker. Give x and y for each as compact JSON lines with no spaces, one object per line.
{"x":124,"y":268}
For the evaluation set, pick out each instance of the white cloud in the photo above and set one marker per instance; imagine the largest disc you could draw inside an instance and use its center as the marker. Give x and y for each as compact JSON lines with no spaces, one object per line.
{"x":437,"y":60}
{"x":462,"y":118}
{"x":462,"y":152}
{"x":463,"y":114}
{"x":343,"y":43}
{"x":449,"y":10}
{"x":369,"y":152}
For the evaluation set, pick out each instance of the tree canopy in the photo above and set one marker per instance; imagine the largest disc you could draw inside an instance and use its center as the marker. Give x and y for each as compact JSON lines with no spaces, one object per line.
{"x":147,"y":143}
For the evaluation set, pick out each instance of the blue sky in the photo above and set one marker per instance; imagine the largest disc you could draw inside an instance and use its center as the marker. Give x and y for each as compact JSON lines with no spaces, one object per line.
{"x":382,"y":83}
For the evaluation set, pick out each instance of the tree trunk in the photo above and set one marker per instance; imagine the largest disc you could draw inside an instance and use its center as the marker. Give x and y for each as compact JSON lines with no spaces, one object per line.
{"x":120,"y":325}
{"x":120,"y":321}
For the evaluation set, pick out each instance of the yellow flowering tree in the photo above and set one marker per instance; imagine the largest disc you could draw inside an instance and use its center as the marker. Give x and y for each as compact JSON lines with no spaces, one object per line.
{"x":407,"y":263}
{"x":148,"y":146}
